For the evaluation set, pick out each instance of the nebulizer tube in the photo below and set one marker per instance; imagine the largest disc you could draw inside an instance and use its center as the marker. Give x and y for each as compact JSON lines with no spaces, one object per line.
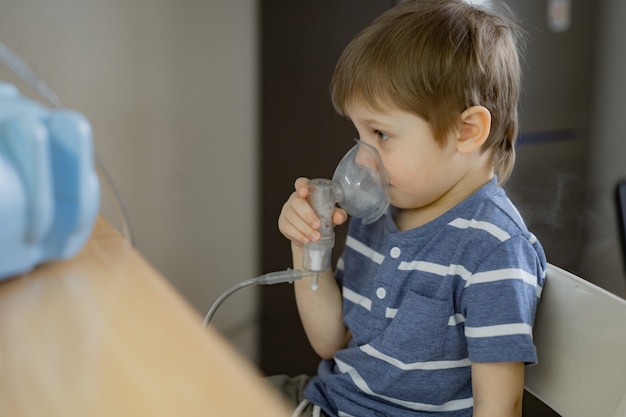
{"x":26,"y":73}
{"x":288,"y":275}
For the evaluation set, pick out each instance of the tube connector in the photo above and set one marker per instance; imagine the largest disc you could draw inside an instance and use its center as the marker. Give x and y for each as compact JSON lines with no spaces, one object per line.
{"x":278,"y":277}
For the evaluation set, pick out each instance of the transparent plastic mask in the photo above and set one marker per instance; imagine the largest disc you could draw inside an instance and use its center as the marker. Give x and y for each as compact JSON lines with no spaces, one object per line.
{"x":362,"y":184}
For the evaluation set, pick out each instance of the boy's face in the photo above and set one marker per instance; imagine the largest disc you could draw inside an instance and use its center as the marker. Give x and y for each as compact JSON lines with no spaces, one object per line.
{"x":423,"y":174}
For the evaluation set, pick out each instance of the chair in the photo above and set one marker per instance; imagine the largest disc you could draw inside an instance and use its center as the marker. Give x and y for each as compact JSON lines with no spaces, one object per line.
{"x":580,"y":334}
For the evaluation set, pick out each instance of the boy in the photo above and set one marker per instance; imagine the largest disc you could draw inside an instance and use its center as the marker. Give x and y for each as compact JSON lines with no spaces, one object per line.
{"x":431,"y":307}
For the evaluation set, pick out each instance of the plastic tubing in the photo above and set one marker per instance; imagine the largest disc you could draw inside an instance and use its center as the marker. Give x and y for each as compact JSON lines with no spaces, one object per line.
{"x":278,"y":277}
{"x":26,"y":73}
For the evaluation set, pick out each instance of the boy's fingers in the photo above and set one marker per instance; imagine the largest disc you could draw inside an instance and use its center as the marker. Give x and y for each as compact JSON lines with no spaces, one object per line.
{"x":302,"y":187}
{"x":303,"y":209}
{"x":301,"y":182}
{"x":339,"y":216}
{"x":297,"y":221}
{"x":293,"y":234}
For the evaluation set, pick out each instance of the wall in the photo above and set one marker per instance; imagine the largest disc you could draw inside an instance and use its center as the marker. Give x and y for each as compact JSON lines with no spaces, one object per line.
{"x":555,"y":115}
{"x":572,"y":152}
{"x":301,"y":135}
{"x":603,"y":260}
{"x":170,"y":89}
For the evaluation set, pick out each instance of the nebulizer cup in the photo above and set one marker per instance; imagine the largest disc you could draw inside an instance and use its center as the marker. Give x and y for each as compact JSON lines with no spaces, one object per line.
{"x":360,"y":186}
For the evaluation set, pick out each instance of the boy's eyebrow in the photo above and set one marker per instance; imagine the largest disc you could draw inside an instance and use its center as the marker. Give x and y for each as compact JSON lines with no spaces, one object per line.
{"x":373,"y":118}
{"x":378,"y":122}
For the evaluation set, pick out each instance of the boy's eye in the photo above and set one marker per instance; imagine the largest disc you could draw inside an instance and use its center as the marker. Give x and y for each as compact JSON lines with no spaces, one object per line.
{"x":382,"y":136}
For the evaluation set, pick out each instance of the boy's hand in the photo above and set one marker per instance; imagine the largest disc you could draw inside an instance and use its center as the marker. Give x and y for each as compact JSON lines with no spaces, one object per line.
{"x":298,"y":221}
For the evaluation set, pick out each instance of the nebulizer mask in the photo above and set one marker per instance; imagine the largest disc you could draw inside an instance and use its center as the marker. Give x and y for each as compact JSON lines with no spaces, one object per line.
{"x":360,"y":186}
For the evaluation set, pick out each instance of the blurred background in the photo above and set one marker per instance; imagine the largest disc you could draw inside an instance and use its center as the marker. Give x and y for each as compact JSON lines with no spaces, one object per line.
{"x":170,"y":88}
{"x":204,"y":113}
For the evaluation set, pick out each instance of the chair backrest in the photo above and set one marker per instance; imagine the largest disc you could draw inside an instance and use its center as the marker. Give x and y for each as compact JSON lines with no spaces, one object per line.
{"x":580,"y":334}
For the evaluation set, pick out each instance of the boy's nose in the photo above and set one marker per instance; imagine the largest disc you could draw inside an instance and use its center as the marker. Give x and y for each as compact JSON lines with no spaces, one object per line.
{"x":366,"y":156}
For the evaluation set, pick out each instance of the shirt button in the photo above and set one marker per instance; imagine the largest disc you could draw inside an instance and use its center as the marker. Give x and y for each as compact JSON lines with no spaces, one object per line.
{"x":381,"y":293}
{"x":395,"y":252}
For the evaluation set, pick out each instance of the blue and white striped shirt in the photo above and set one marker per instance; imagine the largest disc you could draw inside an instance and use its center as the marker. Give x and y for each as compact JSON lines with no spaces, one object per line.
{"x":423,"y":304}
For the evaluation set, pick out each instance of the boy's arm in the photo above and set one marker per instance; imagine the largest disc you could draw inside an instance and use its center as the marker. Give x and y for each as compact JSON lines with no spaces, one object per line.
{"x":498,"y":389}
{"x":320,"y":310}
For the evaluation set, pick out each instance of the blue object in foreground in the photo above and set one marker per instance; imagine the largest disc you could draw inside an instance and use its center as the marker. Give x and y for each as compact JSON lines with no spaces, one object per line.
{"x":49,"y":189}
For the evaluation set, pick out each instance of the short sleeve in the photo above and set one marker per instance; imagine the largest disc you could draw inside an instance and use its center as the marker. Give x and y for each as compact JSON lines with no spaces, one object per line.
{"x":499,"y":302}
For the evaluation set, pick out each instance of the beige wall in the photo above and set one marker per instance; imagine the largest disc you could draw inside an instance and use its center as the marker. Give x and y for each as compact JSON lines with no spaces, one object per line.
{"x":170,"y":89}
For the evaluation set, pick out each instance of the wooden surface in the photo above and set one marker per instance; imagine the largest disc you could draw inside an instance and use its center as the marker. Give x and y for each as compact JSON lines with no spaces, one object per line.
{"x":104,"y":334}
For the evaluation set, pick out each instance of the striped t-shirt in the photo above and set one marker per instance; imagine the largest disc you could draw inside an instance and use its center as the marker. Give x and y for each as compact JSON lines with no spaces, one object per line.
{"x":423,"y":304}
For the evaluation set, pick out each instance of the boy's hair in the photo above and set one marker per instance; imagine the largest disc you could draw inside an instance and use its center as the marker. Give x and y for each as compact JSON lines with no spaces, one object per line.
{"x":436,"y":58}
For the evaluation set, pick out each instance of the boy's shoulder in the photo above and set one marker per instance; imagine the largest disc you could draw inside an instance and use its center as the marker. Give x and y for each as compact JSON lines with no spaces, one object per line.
{"x":489,"y":222}
{"x":491,"y":204}
{"x":484,"y":221}
{"x":488,"y":212}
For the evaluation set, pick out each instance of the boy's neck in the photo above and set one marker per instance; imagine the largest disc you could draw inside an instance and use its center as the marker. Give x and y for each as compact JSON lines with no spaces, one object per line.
{"x":407,"y":219}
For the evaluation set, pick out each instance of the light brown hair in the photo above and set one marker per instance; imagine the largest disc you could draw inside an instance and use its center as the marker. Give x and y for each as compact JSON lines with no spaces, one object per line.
{"x":436,"y":58}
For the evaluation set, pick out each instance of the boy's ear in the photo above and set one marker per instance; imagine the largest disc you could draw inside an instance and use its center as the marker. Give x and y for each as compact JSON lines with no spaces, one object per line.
{"x":475,"y":128}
